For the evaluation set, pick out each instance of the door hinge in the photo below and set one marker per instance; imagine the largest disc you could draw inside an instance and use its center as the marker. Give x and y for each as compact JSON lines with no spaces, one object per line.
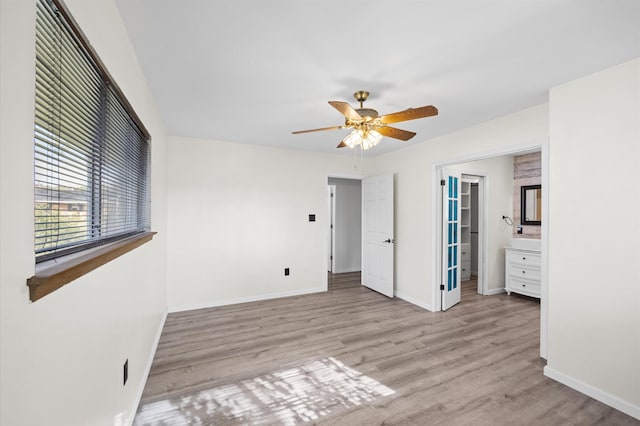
{"x":442,"y":182}
{"x":332,"y":226}
{"x":441,"y":286}
{"x":330,"y":257}
{"x":332,"y":195}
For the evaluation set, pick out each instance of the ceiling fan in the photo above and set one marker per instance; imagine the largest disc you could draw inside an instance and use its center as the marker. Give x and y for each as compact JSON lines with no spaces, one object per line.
{"x":369,"y":127}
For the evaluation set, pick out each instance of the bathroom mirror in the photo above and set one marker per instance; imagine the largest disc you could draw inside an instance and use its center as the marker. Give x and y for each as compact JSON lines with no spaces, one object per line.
{"x":531,"y":205}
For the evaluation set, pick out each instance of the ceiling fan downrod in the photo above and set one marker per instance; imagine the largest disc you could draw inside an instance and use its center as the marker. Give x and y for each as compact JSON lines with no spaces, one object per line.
{"x":361,"y":96}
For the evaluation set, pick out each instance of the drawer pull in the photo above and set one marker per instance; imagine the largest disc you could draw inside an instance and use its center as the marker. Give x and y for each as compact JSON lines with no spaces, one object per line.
{"x":523,"y":272}
{"x":524,"y":285}
{"x":524,"y":258}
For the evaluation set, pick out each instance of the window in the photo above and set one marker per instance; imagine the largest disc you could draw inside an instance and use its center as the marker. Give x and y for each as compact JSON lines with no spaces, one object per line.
{"x":91,"y":152}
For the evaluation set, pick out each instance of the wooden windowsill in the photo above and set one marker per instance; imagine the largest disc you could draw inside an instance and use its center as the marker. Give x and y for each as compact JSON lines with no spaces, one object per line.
{"x":51,"y":276}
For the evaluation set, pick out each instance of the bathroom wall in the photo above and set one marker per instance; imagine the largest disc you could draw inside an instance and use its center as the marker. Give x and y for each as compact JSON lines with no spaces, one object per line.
{"x":527,"y":170}
{"x":498,"y":175}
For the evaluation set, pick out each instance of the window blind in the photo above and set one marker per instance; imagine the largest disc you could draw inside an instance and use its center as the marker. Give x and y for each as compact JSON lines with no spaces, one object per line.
{"x":91,"y":156}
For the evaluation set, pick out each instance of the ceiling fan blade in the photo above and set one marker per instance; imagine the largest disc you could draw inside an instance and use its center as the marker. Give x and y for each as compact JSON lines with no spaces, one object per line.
{"x":318,"y":130}
{"x":409,"y":114}
{"x":392,"y":132}
{"x":346,"y":110}
{"x":341,"y":145}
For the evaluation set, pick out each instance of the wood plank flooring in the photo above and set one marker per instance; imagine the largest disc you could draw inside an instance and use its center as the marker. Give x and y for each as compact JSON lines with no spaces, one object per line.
{"x":477,"y":363}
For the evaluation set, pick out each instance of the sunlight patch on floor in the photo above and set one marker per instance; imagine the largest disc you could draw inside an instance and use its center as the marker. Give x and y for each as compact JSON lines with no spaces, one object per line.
{"x":289,"y":396}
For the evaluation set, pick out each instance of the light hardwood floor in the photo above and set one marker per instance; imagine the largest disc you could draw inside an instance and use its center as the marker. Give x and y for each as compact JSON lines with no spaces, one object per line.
{"x":476,"y":364}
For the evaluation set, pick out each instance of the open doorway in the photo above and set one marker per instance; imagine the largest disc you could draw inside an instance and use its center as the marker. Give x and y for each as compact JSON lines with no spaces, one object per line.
{"x":499,"y":223}
{"x":472,"y":233}
{"x":345,"y":225}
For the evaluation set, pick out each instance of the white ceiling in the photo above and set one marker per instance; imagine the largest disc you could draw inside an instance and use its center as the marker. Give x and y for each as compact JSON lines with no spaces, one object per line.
{"x":253,"y":71}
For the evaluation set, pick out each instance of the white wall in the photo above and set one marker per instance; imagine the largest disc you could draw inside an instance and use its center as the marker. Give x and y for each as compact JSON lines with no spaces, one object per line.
{"x":348,"y":224}
{"x":61,"y":357}
{"x":499,"y":194}
{"x":594,"y":235}
{"x":414,"y":184}
{"x":238,"y":215}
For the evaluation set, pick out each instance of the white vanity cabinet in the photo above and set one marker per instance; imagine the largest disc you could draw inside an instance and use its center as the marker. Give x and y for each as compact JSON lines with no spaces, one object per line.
{"x":522,"y":271}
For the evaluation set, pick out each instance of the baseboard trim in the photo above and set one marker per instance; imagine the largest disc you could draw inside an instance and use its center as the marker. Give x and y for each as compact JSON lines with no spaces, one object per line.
{"x":235,"y":301}
{"x":414,"y":301}
{"x":593,"y":392}
{"x":147,"y":369}
{"x":494,"y":291}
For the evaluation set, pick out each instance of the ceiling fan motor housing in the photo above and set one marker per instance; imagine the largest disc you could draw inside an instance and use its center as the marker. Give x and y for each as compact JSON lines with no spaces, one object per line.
{"x":367,"y":112}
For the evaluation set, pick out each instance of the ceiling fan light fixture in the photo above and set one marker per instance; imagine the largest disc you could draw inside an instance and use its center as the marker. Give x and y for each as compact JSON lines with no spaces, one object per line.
{"x":353,"y":139}
{"x":365,"y":138}
{"x":370,"y":139}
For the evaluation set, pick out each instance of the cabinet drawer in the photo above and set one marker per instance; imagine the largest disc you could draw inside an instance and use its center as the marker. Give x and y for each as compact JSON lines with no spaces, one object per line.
{"x":465,"y":268}
{"x":526,"y":259}
{"x":465,"y":252}
{"x":525,"y":273}
{"x":528,"y":287}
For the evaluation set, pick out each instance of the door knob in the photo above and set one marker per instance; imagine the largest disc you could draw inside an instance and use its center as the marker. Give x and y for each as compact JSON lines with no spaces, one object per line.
{"x":388,"y":240}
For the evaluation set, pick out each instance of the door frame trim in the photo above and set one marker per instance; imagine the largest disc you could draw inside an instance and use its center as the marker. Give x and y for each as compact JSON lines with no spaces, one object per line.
{"x":331,"y":262}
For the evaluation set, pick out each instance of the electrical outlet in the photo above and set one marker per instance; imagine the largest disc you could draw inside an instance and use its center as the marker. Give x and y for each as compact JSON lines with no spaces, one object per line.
{"x":286,"y":272}
{"x":312,"y":218}
{"x":125,"y":372}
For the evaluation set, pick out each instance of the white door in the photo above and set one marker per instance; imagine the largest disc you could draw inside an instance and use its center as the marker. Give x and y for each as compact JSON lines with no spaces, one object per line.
{"x":377,"y":234}
{"x":450,"y":279}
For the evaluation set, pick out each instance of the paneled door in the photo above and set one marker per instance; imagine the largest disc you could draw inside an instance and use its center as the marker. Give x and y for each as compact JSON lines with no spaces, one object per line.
{"x":377,"y":234}
{"x":451,"y":273}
